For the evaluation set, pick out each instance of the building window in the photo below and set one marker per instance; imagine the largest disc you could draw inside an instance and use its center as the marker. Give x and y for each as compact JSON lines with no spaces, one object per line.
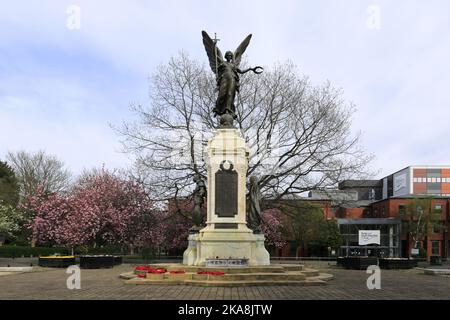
{"x":438,"y":227}
{"x":438,"y":208}
{"x":416,"y":180}
{"x":435,"y":248}
{"x":435,"y":228}
{"x":401,"y":209}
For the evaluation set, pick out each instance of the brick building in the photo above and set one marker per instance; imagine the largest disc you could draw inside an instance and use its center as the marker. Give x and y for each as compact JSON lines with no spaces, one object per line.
{"x":378,"y":204}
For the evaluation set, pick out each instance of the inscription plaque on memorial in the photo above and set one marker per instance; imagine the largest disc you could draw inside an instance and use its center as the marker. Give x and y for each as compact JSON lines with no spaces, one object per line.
{"x":226,"y":262}
{"x":226,"y":192}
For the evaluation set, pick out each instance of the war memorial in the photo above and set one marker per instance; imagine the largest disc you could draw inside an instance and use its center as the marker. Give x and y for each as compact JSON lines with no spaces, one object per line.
{"x":229,"y":250}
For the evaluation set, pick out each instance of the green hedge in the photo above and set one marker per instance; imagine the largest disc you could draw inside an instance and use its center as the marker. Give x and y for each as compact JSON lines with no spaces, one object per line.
{"x":108,"y":249}
{"x":7,"y":251}
{"x":17,"y":251}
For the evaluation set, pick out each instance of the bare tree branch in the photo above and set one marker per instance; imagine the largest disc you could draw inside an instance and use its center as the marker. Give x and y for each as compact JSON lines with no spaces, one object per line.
{"x":299,"y":134}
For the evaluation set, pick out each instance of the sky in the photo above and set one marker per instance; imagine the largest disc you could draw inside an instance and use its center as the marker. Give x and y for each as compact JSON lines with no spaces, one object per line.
{"x":69,"y":70}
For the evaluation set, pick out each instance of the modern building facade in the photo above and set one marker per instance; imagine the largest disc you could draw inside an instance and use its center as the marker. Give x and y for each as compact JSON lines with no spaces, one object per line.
{"x":386,"y":202}
{"x":418,"y":180}
{"x":379,"y":204}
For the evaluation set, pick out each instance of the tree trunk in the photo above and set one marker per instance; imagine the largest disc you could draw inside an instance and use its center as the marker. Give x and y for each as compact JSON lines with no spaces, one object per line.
{"x":304,"y":249}
{"x":297,"y":249}
{"x":409,"y":245}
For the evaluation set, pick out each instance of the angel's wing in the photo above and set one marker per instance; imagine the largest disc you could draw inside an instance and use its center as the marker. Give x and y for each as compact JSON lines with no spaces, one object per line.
{"x":212,"y":50}
{"x":241,"y":49}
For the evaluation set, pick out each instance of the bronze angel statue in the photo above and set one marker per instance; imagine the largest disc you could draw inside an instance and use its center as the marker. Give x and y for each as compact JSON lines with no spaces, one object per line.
{"x":227,"y":73}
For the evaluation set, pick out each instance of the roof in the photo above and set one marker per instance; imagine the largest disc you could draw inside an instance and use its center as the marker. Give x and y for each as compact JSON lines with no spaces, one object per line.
{"x":357,"y":204}
{"x":335,"y":195}
{"x":369,"y":221}
{"x":415,"y":196}
{"x":360,"y":183}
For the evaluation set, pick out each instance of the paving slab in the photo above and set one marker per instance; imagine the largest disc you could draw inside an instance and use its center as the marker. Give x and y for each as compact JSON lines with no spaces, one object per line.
{"x":105,"y":284}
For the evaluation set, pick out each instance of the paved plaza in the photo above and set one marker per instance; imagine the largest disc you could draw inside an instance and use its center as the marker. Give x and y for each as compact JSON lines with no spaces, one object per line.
{"x":105,"y":284}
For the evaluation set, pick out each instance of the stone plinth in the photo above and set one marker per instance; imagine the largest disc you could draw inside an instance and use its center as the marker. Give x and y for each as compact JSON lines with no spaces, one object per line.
{"x":226,"y":234}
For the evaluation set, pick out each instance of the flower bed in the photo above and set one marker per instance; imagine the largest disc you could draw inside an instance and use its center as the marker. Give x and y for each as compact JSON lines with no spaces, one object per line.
{"x":56,"y":261}
{"x":397,"y":263}
{"x":96,"y":261}
{"x":358,"y":263}
{"x":177,"y":272}
{"x":147,"y":269}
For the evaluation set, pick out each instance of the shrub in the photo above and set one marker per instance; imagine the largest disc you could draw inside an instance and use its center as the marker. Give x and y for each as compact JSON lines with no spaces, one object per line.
{"x":19,"y":251}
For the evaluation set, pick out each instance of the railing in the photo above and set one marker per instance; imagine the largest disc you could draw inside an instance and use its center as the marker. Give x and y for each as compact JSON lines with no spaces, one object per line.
{"x":303,"y":258}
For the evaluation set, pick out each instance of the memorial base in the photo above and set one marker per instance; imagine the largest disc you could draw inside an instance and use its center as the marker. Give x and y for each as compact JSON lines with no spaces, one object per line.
{"x":275,"y":274}
{"x":226,"y":244}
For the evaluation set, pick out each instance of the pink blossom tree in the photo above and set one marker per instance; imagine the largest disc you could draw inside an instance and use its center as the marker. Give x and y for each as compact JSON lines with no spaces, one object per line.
{"x":273,"y":227}
{"x":105,"y":209}
{"x":101,"y":209}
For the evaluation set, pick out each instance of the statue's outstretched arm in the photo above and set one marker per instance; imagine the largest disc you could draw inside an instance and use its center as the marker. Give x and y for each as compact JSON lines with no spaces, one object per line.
{"x":257,"y":70}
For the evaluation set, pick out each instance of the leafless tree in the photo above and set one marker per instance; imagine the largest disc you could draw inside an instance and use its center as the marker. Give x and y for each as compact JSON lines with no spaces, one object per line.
{"x":39,"y":169}
{"x":299,"y":135}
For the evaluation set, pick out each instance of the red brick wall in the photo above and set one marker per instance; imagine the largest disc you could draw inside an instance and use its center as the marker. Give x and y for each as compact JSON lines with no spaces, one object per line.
{"x":390,"y":207}
{"x":350,"y":213}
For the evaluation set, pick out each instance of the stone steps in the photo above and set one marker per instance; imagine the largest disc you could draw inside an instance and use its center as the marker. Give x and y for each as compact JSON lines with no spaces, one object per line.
{"x":229,"y":277}
{"x":254,"y":283}
{"x":235,"y":276}
{"x":228,"y":280}
{"x":236,"y":283}
{"x":293,"y":267}
{"x":310,"y":272}
{"x":230,"y":270}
